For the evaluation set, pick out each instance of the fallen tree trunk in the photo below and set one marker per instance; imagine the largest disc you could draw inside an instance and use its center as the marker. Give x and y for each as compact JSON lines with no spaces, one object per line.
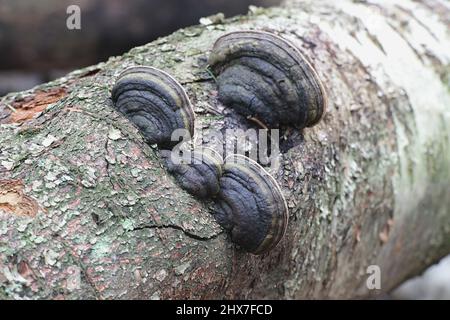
{"x":88,"y":211}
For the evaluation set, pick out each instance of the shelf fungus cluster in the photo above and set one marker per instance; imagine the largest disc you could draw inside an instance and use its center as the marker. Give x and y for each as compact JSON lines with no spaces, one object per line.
{"x":247,"y":200}
{"x":155,"y":102}
{"x":260,"y":74}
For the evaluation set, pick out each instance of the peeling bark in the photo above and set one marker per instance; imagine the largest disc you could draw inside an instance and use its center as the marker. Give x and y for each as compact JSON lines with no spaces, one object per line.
{"x":369,"y":185}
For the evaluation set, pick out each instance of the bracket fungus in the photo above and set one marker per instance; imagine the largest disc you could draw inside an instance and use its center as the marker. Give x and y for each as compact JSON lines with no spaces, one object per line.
{"x":261,"y":74}
{"x":247,"y":200}
{"x":250,"y":205}
{"x":198,"y":173}
{"x":155,"y":102}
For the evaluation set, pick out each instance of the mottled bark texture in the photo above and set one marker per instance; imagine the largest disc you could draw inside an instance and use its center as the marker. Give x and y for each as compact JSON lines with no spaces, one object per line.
{"x":88,"y":211}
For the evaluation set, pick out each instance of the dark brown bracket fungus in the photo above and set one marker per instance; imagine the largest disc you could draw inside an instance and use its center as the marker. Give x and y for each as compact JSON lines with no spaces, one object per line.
{"x":248,"y":201}
{"x":261,"y":74}
{"x":155,"y":102}
{"x":198,"y":173}
{"x":250,"y":205}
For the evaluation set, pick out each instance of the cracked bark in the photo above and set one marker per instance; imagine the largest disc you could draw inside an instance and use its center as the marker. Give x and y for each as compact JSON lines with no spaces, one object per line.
{"x":367,"y":185}
{"x":176,"y":227}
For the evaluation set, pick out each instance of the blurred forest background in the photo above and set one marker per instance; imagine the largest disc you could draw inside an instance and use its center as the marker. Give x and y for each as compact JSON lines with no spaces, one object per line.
{"x":36,"y":47}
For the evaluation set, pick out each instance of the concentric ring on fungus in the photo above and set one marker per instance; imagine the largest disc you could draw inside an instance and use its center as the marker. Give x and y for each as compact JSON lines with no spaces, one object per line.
{"x":155,"y":102}
{"x":250,"y":205}
{"x":198,"y":174}
{"x":260,"y":74}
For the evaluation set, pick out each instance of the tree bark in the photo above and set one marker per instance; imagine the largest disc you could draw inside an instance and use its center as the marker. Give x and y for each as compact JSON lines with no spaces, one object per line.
{"x":88,"y":211}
